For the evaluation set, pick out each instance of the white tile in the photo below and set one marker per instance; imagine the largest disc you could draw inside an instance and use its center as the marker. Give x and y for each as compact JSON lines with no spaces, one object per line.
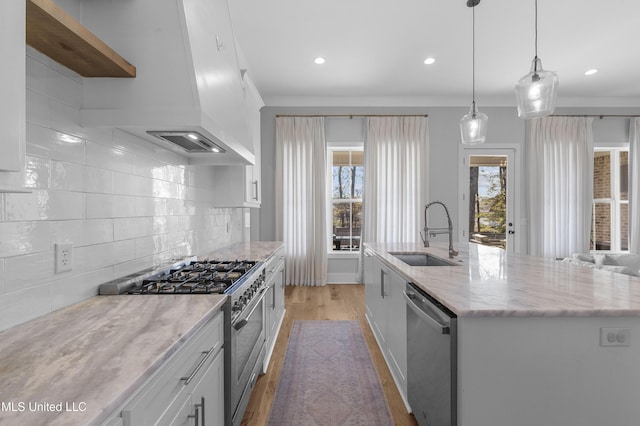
{"x":2,"y":277}
{"x":133,"y":266}
{"x":125,"y":184}
{"x":64,"y":89}
{"x":96,"y":180}
{"x":47,"y":143}
{"x":38,"y":110}
{"x":109,"y":158}
{"x":151,"y":246}
{"x":37,"y":172}
{"x":160,"y":225}
{"x":127,"y":228}
{"x":65,"y":119}
{"x":78,"y":288}
{"x":45,"y":204}
{"x":98,"y":256}
{"x":144,"y":186}
{"x":36,"y":74}
{"x":110,"y":206}
{"x":147,"y":206}
{"x":67,"y":176}
{"x":27,"y":271}
{"x":82,"y":232}
{"x":31,"y":206}
{"x":21,"y":306}
{"x":124,"y":251}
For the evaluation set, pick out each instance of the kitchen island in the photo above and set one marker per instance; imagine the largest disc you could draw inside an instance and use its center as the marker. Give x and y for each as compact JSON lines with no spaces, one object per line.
{"x":529,"y":345}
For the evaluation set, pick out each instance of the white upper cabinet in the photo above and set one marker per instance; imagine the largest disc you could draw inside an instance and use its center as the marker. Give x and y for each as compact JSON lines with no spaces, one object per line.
{"x":12,"y":88}
{"x":242,"y":185}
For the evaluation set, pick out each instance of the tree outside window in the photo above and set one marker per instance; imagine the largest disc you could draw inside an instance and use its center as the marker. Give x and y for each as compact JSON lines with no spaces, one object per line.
{"x":347,"y":178}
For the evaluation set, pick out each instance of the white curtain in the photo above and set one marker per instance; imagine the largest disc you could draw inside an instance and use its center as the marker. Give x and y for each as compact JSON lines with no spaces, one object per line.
{"x":560,"y":161}
{"x":634,"y":186}
{"x":395,"y":181}
{"x":301,"y":198}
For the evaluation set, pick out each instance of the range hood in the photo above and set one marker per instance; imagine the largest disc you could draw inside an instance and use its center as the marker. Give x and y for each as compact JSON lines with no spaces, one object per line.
{"x":188,"y":92}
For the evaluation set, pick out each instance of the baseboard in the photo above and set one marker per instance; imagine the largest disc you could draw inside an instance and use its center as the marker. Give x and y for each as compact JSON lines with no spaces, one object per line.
{"x":342,"y":278}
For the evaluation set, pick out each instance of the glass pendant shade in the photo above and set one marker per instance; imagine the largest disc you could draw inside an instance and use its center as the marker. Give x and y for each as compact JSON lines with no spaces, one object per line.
{"x":536,"y":92}
{"x":473,"y":126}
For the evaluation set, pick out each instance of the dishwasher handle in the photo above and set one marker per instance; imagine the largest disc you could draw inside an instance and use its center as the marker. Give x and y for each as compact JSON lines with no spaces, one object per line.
{"x":429,"y":319}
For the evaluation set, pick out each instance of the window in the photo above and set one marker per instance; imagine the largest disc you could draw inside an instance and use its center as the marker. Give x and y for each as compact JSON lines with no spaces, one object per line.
{"x":346,"y":175}
{"x":610,"y":209}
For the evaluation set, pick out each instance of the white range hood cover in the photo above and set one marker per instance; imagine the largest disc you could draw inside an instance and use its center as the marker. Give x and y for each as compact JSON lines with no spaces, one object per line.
{"x":188,"y":78}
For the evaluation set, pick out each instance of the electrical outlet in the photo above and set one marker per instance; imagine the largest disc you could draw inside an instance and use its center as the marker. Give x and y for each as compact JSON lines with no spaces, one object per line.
{"x":610,"y":336}
{"x":64,"y":257}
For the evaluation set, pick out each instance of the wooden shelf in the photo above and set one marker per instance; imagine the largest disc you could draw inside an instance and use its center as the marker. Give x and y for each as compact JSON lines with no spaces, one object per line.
{"x":56,"y":34}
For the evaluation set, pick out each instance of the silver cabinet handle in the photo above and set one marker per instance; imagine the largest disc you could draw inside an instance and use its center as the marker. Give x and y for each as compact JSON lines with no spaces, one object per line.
{"x":255,"y":184}
{"x":383,"y":291}
{"x":203,"y":359}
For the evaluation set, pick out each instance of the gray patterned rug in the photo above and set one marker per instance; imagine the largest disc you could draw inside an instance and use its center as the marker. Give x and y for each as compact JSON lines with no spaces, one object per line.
{"x":328,"y":378}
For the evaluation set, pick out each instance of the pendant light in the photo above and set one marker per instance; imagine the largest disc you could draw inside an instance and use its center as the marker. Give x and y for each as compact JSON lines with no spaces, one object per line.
{"x":473,"y":126}
{"x":537,"y":91}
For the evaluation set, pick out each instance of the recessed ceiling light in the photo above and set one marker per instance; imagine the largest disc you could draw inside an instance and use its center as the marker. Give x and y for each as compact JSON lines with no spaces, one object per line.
{"x":591,"y":72}
{"x":319,"y":60}
{"x":192,"y":136}
{"x":429,"y":61}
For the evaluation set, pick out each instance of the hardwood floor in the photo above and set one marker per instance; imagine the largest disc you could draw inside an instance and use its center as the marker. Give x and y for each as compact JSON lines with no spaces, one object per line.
{"x":332,"y":302}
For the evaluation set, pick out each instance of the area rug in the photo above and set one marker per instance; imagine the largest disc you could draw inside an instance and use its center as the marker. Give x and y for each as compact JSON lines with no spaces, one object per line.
{"x":328,"y":378}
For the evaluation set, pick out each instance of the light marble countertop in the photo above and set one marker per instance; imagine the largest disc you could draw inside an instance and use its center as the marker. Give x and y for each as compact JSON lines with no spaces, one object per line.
{"x":256,"y":250}
{"x":489,"y":281}
{"x":91,"y":356}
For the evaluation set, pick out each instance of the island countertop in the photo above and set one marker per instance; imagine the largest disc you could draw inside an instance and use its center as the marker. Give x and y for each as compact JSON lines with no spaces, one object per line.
{"x":489,"y":281}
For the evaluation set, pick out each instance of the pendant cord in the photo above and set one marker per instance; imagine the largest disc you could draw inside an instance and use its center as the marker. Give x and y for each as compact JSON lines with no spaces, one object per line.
{"x":536,"y":31}
{"x":473,"y":55}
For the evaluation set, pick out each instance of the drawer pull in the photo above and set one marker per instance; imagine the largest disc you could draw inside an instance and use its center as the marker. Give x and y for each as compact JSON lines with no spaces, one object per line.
{"x":189,"y":378}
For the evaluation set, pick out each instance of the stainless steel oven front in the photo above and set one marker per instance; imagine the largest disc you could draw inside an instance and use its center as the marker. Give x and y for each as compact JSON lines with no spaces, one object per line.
{"x":246,"y":347}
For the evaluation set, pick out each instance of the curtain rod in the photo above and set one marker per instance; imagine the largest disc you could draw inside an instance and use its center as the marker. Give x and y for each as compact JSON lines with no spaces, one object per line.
{"x":352,"y":115}
{"x":601,"y":116}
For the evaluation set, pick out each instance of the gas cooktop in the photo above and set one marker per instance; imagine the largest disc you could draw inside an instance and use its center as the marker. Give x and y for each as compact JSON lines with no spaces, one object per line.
{"x":191,"y":276}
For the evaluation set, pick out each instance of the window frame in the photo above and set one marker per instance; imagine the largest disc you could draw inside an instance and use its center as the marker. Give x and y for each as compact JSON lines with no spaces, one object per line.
{"x":330,"y":148}
{"x":614,"y":200}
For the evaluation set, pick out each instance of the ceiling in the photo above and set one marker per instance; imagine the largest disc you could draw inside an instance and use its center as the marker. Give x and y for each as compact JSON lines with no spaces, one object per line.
{"x":375,"y":49}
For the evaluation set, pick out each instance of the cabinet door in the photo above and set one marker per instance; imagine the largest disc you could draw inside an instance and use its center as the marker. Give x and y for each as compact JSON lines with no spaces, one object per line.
{"x":278,"y":288}
{"x":374,"y":297}
{"x":12,"y":86}
{"x":396,"y":331}
{"x":208,"y":394}
{"x":180,"y":413}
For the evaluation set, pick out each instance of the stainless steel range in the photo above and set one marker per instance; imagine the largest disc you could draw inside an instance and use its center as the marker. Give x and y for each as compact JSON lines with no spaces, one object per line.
{"x":244,"y":340}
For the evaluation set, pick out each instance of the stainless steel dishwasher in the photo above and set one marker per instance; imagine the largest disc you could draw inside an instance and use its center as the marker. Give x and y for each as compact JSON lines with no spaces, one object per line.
{"x":431,"y":359}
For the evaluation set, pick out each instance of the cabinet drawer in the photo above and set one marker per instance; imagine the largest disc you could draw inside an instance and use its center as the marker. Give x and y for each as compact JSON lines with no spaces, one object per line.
{"x":180,"y":373}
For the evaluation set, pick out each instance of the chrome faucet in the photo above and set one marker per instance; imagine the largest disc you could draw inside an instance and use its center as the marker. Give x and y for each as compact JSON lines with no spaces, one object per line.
{"x":435,"y":231}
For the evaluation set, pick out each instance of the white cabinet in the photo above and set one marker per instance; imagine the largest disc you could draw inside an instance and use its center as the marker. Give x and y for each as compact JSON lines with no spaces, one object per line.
{"x":187,"y":389}
{"x":274,"y":302}
{"x":12,"y":87}
{"x":241,"y":185}
{"x":386,"y":312}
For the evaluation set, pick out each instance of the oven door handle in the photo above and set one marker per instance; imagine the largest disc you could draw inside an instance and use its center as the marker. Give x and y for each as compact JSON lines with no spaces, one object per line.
{"x":243,"y":321}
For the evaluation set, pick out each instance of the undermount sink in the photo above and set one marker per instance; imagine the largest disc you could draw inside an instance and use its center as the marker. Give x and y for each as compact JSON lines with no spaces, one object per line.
{"x":422,"y":259}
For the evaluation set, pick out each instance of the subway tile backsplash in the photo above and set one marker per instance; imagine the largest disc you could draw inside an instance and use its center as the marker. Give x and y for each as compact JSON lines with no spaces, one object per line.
{"x":122,"y":203}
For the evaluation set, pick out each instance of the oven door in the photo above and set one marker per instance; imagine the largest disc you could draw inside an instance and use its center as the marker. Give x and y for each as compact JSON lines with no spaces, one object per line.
{"x":247,"y":343}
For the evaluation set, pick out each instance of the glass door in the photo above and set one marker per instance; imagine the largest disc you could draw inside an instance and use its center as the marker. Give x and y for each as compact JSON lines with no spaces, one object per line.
{"x":487,"y":186}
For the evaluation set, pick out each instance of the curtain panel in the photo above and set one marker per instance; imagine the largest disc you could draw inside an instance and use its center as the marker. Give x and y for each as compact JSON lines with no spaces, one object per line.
{"x":396,"y":179}
{"x":301,"y":220}
{"x":634,"y":186}
{"x":560,"y":185}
